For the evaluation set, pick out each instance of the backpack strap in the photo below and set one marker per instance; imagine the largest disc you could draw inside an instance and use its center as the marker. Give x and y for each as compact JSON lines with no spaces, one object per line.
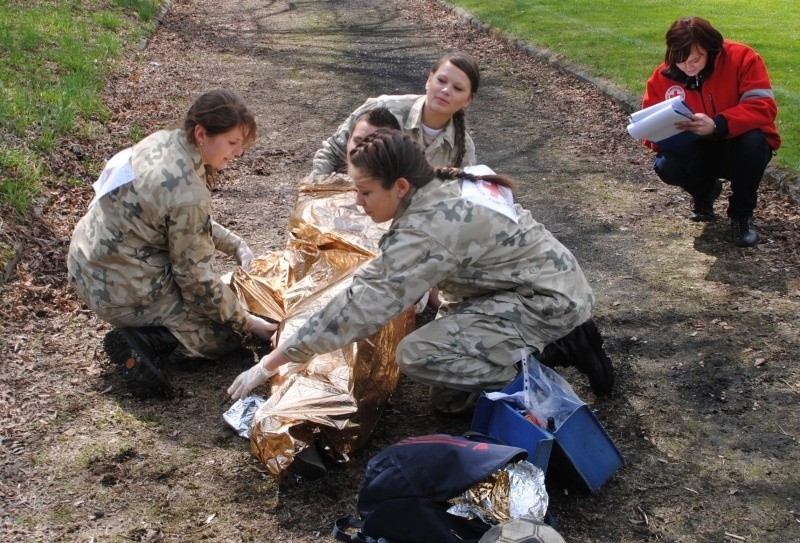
{"x":343,"y":524}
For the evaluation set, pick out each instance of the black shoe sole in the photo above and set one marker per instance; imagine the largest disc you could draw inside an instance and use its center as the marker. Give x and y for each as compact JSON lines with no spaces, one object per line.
{"x":702,"y":217}
{"x":742,"y":243}
{"x":139,"y":371}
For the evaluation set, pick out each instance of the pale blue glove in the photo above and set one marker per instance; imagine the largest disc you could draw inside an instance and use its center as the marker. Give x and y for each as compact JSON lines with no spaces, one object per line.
{"x":244,"y":256}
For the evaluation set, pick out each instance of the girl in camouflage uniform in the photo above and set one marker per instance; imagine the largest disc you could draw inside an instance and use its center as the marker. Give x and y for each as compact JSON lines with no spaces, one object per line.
{"x":141,"y":257}
{"x":507,"y":284}
{"x":436,"y":120}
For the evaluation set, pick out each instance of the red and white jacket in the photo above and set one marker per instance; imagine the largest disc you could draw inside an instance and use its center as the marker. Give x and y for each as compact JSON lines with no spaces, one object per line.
{"x":736,"y":93}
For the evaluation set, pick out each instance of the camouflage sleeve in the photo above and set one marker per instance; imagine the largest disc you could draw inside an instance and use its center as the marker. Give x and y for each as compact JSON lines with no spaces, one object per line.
{"x":469,"y":156}
{"x":191,"y":247}
{"x":332,"y":156}
{"x":410,"y":263}
{"x":224,"y":240}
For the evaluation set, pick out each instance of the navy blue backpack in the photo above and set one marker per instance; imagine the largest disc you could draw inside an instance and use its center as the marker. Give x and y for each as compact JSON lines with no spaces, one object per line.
{"x":403,"y":498}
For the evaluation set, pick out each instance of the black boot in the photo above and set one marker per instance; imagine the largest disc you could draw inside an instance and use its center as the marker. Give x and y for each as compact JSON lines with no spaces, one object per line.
{"x":742,"y":232}
{"x":308,"y":464}
{"x":583,"y":349}
{"x":703,"y":208}
{"x":138,"y":352}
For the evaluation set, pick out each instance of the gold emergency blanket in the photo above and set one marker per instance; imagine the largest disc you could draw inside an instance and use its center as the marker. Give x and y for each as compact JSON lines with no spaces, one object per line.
{"x":335,"y":400}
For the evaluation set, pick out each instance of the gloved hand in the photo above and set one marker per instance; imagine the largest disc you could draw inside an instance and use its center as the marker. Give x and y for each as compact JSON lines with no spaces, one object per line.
{"x":420,"y":306}
{"x":248,"y":380}
{"x":244,"y":256}
{"x":260,"y":327}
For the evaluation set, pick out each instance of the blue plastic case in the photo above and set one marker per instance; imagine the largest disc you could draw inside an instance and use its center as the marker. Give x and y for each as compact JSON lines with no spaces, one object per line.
{"x":580,"y":445}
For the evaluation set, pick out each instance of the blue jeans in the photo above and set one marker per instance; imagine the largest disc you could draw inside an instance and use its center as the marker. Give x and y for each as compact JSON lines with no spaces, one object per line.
{"x":696,"y":166}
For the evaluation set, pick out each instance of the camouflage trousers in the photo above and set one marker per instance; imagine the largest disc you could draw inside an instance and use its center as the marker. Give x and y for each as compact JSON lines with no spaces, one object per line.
{"x":463,"y":351}
{"x":477,"y":346}
{"x":199,"y":336}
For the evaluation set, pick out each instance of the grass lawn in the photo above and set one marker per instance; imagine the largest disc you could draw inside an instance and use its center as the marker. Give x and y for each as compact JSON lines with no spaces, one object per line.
{"x":54,"y":60}
{"x":623,"y":40}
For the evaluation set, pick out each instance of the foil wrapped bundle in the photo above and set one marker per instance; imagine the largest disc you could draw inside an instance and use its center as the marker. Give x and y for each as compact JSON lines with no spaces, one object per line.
{"x":334,"y":401}
{"x":517,"y":490}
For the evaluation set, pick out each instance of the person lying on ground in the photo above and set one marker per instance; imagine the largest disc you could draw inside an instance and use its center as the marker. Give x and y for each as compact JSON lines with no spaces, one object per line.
{"x":507,"y":284}
{"x":141,"y":257}
{"x":436,"y":120}
{"x":727,"y":86}
{"x":367,"y":123}
{"x":364,"y":124}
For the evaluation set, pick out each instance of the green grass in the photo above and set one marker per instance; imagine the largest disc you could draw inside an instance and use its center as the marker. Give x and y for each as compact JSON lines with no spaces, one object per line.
{"x":20,"y":177}
{"x":623,"y":40}
{"x":55,"y":57}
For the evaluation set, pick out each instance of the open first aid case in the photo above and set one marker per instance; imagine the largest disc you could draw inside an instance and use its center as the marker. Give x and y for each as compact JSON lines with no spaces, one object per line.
{"x":579,"y":448}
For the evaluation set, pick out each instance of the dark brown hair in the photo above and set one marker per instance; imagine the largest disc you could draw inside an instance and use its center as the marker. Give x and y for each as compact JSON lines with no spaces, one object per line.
{"x":467,"y":64}
{"x":219,"y":111}
{"x":688,"y":32}
{"x":380,"y":117}
{"x":388,"y":155}
{"x":458,"y":173}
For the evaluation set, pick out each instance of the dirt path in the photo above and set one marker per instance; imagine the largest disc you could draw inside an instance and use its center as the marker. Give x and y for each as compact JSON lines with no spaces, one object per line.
{"x":704,"y":335}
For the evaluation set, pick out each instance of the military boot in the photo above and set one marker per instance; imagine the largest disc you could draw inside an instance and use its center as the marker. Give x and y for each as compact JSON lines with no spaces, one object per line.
{"x":449,"y":401}
{"x":582,"y":349}
{"x":308,"y":464}
{"x":742,"y":232}
{"x":138,"y":352}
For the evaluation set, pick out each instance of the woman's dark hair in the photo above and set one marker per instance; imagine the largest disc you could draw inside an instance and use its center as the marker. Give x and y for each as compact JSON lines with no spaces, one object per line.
{"x":467,"y":64}
{"x":458,"y":173}
{"x":388,"y":155}
{"x":380,"y":117}
{"x":219,"y":111}
{"x":688,"y":32}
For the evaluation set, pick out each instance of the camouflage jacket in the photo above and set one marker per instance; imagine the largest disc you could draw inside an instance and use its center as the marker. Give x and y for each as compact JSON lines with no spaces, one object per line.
{"x":155,"y":234}
{"x":482,"y":262}
{"x":408,"y":110}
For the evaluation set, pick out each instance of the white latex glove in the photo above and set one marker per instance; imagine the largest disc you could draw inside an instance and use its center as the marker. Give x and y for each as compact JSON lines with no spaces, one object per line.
{"x":260,"y":327}
{"x":248,"y":380}
{"x":244,"y":256}
{"x":422,"y":303}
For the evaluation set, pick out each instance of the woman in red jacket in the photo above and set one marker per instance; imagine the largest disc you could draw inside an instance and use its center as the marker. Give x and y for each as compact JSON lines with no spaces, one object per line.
{"x":727,"y":86}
